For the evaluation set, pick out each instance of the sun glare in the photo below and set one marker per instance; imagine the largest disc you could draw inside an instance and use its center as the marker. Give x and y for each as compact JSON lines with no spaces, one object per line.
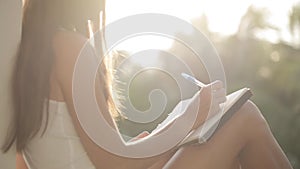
{"x":223,"y":16}
{"x":145,"y":42}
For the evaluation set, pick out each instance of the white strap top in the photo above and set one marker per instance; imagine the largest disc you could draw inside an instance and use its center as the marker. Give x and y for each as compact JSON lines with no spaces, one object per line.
{"x":60,"y":146}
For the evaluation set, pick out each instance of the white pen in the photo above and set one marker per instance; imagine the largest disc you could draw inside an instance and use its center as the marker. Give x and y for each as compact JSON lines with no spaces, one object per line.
{"x":193,"y":80}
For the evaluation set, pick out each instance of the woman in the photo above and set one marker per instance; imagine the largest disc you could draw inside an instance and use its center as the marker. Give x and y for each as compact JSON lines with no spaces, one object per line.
{"x":48,"y":134}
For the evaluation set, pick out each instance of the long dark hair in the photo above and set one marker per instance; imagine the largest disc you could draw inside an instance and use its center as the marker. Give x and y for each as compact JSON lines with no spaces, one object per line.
{"x":31,"y":78}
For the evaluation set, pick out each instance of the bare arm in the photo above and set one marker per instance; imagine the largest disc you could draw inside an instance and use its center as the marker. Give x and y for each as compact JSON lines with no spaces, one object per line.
{"x":67,"y":46}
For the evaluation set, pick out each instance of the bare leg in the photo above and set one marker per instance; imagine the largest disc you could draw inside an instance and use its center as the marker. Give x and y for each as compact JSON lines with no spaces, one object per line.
{"x":263,"y":151}
{"x":244,"y":139}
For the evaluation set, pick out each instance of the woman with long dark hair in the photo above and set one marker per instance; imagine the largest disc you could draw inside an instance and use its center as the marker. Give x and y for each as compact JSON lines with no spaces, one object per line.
{"x":45,"y":127}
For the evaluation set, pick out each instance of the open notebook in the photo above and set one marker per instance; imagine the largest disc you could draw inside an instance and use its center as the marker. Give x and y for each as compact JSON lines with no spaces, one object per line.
{"x":233,"y":103}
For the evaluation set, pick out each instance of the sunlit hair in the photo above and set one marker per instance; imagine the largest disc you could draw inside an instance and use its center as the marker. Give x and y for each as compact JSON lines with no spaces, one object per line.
{"x":31,"y":78}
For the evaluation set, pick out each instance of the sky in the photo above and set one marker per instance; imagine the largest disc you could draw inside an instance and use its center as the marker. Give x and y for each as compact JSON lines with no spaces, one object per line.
{"x":223,"y":16}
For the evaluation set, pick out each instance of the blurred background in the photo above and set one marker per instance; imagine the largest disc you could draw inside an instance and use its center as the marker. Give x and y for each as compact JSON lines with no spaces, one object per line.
{"x":10,"y":33}
{"x":258,"y":42}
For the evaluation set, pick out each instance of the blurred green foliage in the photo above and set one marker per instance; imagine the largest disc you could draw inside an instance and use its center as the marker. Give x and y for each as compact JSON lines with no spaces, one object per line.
{"x":272,"y":71}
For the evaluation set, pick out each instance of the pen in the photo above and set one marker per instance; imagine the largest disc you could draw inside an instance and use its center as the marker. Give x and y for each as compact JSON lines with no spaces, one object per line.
{"x":193,"y":80}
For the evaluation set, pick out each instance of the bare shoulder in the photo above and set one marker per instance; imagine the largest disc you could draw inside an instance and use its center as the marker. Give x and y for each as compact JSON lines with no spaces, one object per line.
{"x":66,"y":47}
{"x":67,"y":44}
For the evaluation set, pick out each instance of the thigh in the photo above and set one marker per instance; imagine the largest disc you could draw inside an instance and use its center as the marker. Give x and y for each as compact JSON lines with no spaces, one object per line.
{"x":221,"y":151}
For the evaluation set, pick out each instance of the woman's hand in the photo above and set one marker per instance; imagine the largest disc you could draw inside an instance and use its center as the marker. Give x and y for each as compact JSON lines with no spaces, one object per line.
{"x":211,"y":96}
{"x":207,"y":103}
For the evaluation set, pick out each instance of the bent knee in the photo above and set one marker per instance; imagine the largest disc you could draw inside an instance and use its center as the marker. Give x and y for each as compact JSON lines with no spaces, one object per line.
{"x":251,"y":114}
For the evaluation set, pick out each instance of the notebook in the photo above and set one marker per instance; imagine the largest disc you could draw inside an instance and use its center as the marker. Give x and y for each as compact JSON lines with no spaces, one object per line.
{"x":204,"y":132}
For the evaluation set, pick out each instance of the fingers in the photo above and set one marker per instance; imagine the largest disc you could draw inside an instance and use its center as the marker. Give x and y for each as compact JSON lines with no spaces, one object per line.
{"x":216,"y":93}
{"x":219,"y":95}
{"x":211,"y":96}
{"x":216,"y":85}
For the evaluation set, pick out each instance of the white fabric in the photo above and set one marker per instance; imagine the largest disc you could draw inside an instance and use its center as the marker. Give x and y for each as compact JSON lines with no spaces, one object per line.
{"x":59,"y":147}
